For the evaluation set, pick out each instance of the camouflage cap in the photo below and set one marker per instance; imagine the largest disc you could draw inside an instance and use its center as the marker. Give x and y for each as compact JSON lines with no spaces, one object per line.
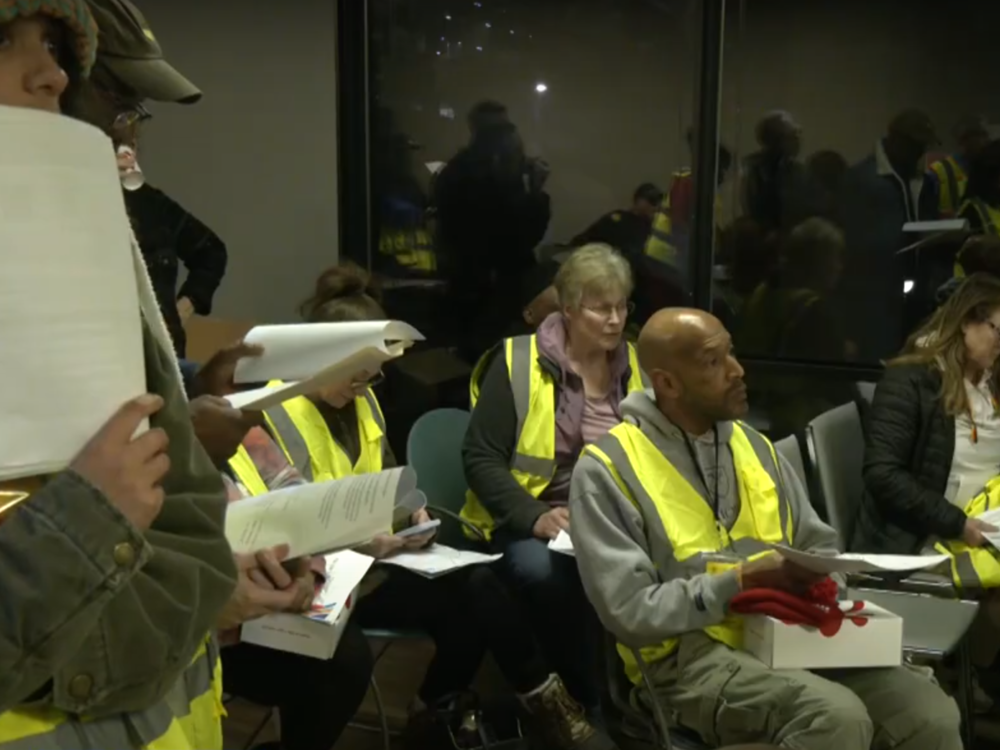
{"x":129,"y":55}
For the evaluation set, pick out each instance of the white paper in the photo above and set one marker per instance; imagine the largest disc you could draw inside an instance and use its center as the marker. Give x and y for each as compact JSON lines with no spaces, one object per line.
{"x":344,"y":571}
{"x":304,"y":350}
{"x":319,"y":517}
{"x":992,"y":517}
{"x":70,"y":326}
{"x":941,"y":225}
{"x":562,"y":544}
{"x":407,"y":505}
{"x":437,"y":560}
{"x":858,"y":563}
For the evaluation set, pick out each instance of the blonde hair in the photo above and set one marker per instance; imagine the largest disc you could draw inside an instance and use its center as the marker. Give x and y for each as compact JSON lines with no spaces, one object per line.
{"x":593,"y":269}
{"x":940,"y":342}
{"x":344,"y":293}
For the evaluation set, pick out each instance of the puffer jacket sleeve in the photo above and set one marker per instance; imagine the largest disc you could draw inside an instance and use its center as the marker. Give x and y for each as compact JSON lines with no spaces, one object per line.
{"x":889,"y":455}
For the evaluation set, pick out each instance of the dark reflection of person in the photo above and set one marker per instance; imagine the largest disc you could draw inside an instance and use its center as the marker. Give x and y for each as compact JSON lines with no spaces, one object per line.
{"x":982,"y":196}
{"x":979,"y":254}
{"x":492,"y":211}
{"x":625,"y":229}
{"x":948,"y":178}
{"x":880,"y":194}
{"x":793,"y":316}
{"x":773,"y":174}
{"x":825,"y":173}
{"x":749,"y":257}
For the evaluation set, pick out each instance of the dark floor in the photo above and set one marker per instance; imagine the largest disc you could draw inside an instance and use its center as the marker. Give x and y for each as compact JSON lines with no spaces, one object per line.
{"x":398,"y":675}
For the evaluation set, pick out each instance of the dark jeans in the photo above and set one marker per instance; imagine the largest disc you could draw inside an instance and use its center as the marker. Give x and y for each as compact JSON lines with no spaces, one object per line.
{"x":548,"y":587}
{"x":465,"y":612}
{"x":315,"y":698}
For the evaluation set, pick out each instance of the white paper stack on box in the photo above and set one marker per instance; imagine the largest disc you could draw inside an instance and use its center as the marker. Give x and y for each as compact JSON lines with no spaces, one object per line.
{"x":438,"y":560}
{"x":70,"y":326}
{"x":877,"y":643}
{"x":309,"y":356}
{"x":316,"y":633}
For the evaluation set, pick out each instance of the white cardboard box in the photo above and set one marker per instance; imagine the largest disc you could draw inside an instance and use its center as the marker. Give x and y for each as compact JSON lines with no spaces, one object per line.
{"x":315,"y":633}
{"x":878,"y":643}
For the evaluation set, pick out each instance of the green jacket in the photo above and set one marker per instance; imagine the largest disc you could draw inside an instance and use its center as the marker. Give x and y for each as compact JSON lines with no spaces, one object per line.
{"x":96,"y":616}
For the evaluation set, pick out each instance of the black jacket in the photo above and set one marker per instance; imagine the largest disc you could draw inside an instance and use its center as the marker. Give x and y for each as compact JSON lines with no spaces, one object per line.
{"x":909,"y":448}
{"x":168,"y":236}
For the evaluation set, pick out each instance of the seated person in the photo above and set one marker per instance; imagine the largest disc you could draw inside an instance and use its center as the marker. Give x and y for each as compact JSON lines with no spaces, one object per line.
{"x":549,"y":395}
{"x":626,"y":230}
{"x":932,"y":446}
{"x":978,"y":254}
{"x":540,"y":300}
{"x":679,"y":485}
{"x":466,"y":612}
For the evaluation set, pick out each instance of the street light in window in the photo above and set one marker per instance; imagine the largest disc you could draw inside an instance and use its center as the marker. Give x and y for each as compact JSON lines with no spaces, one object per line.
{"x":541,"y":88}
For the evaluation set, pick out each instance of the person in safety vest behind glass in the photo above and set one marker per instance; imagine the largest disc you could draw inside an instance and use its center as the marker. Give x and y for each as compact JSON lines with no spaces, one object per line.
{"x":674,"y":512}
{"x":114,"y":570}
{"x":932,"y":446}
{"x":982,"y":195}
{"x":947,"y":178}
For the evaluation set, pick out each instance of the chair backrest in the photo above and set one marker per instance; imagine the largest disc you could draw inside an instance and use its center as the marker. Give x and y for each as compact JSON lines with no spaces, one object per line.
{"x":837,"y":450}
{"x":434,"y":451}
{"x":789,"y":448}
{"x":865,"y":390}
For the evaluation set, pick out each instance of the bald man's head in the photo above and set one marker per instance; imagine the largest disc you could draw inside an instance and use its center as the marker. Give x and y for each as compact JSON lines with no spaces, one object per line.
{"x":688,"y":356}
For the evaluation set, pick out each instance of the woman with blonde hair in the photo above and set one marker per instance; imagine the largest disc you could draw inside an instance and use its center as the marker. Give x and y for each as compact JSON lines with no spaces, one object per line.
{"x":547,"y":396}
{"x":933,"y":444}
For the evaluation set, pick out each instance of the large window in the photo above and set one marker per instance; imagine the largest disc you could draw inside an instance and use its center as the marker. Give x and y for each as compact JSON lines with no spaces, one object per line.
{"x":835,"y":110}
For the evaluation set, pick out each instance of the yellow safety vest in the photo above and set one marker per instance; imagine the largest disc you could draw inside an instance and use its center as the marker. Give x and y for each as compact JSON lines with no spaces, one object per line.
{"x":247,"y":473}
{"x":303,"y":435}
{"x":989,"y":215}
{"x":951,"y":179}
{"x":479,"y":373}
{"x":662,"y":495}
{"x":188,"y":718}
{"x":975,"y":567}
{"x":661,"y":244}
{"x":533,"y":460}
{"x":412,"y":248}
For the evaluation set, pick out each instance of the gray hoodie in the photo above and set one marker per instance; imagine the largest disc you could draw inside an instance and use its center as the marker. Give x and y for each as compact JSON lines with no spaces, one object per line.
{"x":641,"y":593}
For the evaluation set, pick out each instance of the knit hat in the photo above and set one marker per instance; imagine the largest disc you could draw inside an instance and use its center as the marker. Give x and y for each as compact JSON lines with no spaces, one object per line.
{"x":74,"y":13}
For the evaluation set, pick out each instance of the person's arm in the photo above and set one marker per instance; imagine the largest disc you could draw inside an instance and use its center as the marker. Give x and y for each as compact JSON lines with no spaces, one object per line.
{"x":975,"y":218}
{"x":596,"y":232}
{"x":809,"y":532}
{"x":489,"y":443}
{"x":66,"y":554}
{"x":892,"y":431}
{"x":201,"y":251}
{"x":618,"y":573}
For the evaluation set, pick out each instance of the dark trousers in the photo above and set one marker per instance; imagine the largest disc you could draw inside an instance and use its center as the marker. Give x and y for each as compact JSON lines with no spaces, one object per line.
{"x":548,"y":587}
{"x":315,"y":698}
{"x":465,"y":612}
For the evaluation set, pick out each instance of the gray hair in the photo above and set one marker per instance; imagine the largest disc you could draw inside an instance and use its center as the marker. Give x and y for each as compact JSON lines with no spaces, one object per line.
{"x":593,"y":269}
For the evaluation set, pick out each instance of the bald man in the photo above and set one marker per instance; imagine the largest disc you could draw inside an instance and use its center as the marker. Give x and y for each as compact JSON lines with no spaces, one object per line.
{"x":667,"y":508}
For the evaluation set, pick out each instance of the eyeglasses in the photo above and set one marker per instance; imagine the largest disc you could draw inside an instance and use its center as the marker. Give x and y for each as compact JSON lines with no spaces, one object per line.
{"x":134,"y":115}
{"x":623,"y":309}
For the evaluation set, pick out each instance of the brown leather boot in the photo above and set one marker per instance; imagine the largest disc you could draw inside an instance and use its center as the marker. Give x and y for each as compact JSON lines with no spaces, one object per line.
{"x":561,"y":720}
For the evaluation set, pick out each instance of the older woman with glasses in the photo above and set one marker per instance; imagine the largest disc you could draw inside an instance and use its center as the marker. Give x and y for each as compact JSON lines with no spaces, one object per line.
{"x":549,"y":395}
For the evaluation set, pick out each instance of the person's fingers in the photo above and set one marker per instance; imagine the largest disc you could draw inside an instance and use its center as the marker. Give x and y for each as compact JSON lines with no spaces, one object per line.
{"x":562,"y":521}
{"x":123,"y":424}
{"x":987,"y":527}
{"x":419,"y":541}
{"x":260,"y":579}
{"x":156,"y":468}
{"x":419,"y":517}
{"x":273,"y":569}
{"x":276,"y":600}
{"x":240,"y":350}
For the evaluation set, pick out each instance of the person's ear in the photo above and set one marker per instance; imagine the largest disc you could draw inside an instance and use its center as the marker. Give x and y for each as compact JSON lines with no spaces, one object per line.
{"x":529,"y":316}
{"x":666,"y":384}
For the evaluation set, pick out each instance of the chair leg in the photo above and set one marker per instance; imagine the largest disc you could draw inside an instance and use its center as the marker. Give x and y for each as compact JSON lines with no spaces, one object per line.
{"x":966,"y":702}
{"x":382,"y":718}
{"x":260,"y":728}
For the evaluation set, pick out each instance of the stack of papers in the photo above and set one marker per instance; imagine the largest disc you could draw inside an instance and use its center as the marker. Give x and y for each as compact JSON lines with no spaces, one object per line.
{"x":438,"y":560}
{"x":859,"y":563}
{"x":70,"y":324}
{"x":992,"y":517}
{"x":309,"y":356}
{"x":562,"y":544}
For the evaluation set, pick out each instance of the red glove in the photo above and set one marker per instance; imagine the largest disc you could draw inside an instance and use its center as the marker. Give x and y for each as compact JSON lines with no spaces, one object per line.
{"x":819,"y":609}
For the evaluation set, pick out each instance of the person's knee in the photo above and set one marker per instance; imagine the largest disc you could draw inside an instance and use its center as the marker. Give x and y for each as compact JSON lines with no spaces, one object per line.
{"x":928,"y":715}
{"x":529,"y":564}
{"x":825,"y":714}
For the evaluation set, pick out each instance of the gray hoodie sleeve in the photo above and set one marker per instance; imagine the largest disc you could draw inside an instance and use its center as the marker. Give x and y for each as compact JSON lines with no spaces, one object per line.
{"x":809,"y":533}
{"x":621,"y":581}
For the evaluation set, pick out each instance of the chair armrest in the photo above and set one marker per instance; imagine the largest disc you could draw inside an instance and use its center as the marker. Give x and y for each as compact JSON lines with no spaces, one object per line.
{"x":439,"y":511}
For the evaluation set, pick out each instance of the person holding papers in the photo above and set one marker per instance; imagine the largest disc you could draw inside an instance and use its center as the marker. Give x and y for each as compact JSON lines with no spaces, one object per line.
{"x":541,"y":402}
{"x":115,"y":569}
{"x":931,"y":452}
{"x":674,"y":512}
{"x":340,"y":433}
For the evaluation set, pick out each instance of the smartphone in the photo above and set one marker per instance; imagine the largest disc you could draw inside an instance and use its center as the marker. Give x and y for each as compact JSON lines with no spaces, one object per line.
{"x":420,"y":528}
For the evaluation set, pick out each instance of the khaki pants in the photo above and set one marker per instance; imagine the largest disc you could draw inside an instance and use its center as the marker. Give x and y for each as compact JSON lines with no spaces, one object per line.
{"x":728,"y":697}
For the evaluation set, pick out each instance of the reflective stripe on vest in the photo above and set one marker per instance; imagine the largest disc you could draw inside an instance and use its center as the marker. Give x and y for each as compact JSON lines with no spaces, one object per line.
{"x":411,"y":248}
{"x":975,"y":567}
{"x":989,"y":216}
{"x":188,"y":718}
{"x":533,"y":461}
{"x":660,"y":243}
{"x":247,"y":474}
{"x":951,"y":185}
{"x":659,"y":491}
{"x":303,"y":435}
